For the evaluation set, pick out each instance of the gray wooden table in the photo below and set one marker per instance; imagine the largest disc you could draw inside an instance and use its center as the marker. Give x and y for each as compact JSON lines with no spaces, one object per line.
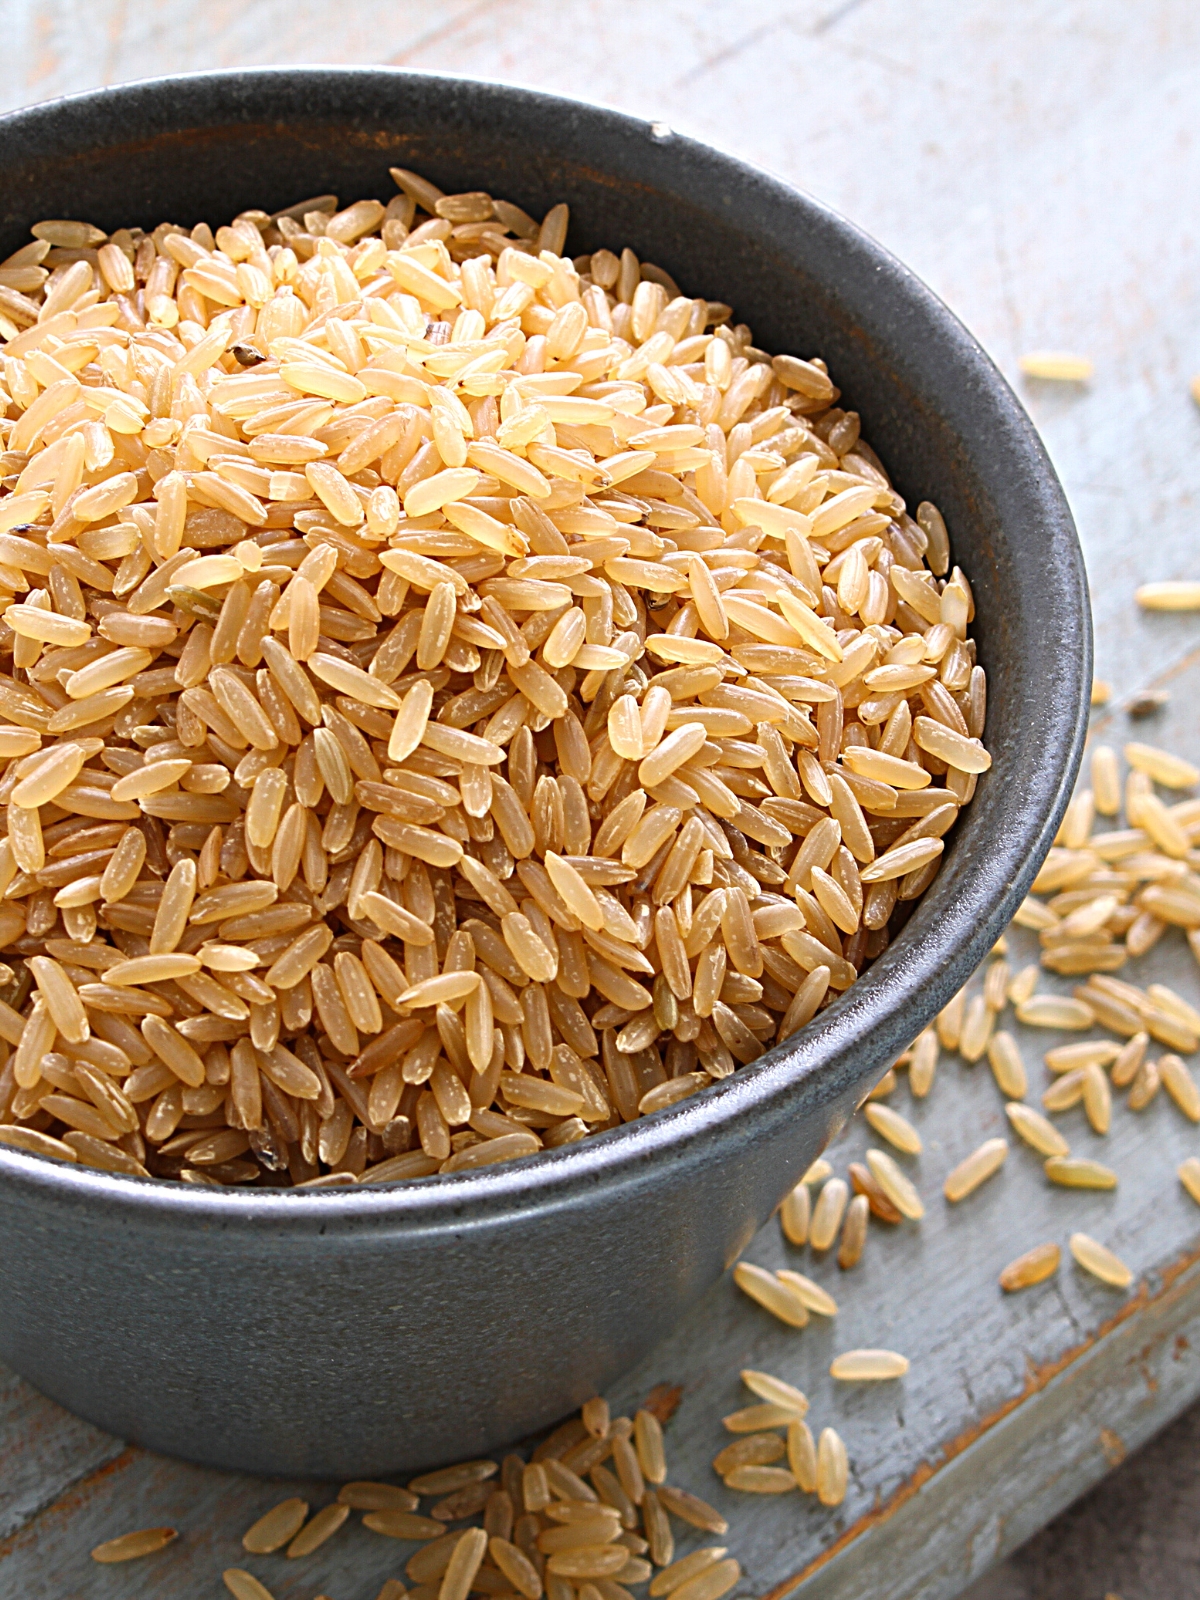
{"x":1037,"y":164}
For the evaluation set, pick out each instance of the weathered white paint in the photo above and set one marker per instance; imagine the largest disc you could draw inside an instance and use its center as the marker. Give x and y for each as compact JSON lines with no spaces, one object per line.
{"x":1037,"y":164}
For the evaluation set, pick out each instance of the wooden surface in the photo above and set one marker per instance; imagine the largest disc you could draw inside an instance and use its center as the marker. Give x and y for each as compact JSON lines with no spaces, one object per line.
{"x":1037,"y":164}
{"x":1134,"y":1534}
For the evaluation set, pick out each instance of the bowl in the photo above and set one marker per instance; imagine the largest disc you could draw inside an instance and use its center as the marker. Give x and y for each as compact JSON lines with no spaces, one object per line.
{"x":349,"y":1332}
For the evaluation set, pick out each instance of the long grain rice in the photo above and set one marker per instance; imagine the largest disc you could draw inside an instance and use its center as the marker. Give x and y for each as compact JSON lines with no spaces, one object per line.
{"x":317,"y":1530}
{"x":854,"y":1232}
{"x":752,"y":1419}
{"x":691,"y":1509}
{"x":895,"y":1184}
{"x":758,"y":1477}
{"x":795,"y":1215}
{"x":1040,"y":1134}
{"x":129,"y":1546}
{"x":1077,"y":1172}
{"x":1189,"y":1176}
{"x":776,"y":1297}
{"x":276,"y":1527}
{"x":827,"y":1213}
{"x":1008,"y":1069}
{"x":710,"y":1584}
{"x":897,"y":1130}
{"x":975,"y":1169}
{"x":812,"y":1294}
{"x":679,"y":1572}
{"x":868,"y":1366}
{"x":1177,"y":1080}
{"x":404,"y":691}
{"x":243,"y":1585}
{"x":1035,"y":1266}
{"x":832,"y":1468}
{"x":1097,"y":1259}
{"x":775,"y":1391}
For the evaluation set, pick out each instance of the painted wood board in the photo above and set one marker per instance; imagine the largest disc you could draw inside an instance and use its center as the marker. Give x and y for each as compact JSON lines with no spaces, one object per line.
{"x":1033,"y":164}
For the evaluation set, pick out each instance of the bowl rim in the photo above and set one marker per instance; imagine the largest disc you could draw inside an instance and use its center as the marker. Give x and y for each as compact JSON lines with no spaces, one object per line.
{"x":940,"y":958}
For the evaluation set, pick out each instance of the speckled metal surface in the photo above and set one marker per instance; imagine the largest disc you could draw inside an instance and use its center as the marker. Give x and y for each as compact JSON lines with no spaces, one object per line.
{"x":341,"y":1333}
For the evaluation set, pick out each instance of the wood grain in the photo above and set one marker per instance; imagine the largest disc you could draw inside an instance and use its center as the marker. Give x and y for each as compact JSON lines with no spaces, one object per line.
{"x":1037,"y":164}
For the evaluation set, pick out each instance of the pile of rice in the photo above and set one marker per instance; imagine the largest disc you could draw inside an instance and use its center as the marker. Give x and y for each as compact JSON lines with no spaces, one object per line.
{"x":461,"y":699}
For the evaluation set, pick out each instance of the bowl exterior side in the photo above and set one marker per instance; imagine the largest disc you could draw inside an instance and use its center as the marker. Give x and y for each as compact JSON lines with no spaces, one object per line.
{"x":377,"y":1349}
{"x":350,"y":1332}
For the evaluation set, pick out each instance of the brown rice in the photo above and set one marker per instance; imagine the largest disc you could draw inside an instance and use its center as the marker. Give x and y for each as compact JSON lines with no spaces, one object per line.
{"x":460,"y":700}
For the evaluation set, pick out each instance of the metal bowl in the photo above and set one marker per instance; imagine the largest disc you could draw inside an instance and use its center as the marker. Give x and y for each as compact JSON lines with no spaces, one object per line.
{"x":350,"y":1332}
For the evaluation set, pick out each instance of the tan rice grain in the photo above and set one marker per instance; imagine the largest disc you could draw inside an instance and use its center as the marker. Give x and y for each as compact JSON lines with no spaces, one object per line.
{"x":1035,"y":1266}
{"x":832,"y":1468}
{"x":868,"y":1366}
{"x":129,"y":1546}
{"x":1097,"y":1259}
{"x":318,"y":1529}
{"x":775,"y":1391}
{"x":828,"y":1213}
{"x":812,"y":1294}
{"x":1077,"y":1172}
{"x":776,"y":1297}
{"x":895,"y":1184}
{"x":243,"y":1585}
{"x":1189,"y":1176}
{"x":897,"y":1130}
{"x":276,"y":1527}
{"x":1036,"y":1131}
{"x":975,"y":1169}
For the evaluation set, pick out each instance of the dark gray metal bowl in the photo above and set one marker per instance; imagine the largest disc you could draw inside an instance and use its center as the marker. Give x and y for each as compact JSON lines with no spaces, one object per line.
{"x":347,"y":1332}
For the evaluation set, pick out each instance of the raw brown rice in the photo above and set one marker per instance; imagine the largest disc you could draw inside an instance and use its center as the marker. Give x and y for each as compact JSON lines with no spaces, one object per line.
{"x":827,"y":1213}
{"x":1035,"y":1266}
{"x":1097,"y":1259}
{"x":832,"y":1468}
{"x":276,"y":1527}
{"x":129,"y":1546}
{"x":854,"y":1232}
{"x":975,"y":1169}
{"x":461,"y":700}
{"x":776,"y":1297}
{"x":868,"y":1366}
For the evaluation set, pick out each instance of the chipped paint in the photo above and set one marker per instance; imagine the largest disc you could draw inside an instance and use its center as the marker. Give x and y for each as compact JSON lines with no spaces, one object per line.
{"x":75,"y":1496}
{"x":1038,"y":1377}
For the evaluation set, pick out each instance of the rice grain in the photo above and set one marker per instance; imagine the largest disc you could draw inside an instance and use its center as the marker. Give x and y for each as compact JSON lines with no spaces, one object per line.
{"x":1035,"y":1266}
{"x":129,"y":1546}
{"x":1189,"y":1176}
{"x":1097,"y":1259}
{"x":897,"y":1130}
{"x":832,"y":1468}
{"x":812,"y":1294}
{"x":828,"y":1213}
{"x":895,"y":1184}
{"x":276,"y":1527}
{"x":975,"y":1169}
{"x":1077,"y":1172}
{"x":1037,"y":1132}
{"x":868,"y":1366}
{"x":776,"y":1297}
{"x":321,"y":1527}
{"x":775,"y":1391}
{"x":243,"y":1585}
